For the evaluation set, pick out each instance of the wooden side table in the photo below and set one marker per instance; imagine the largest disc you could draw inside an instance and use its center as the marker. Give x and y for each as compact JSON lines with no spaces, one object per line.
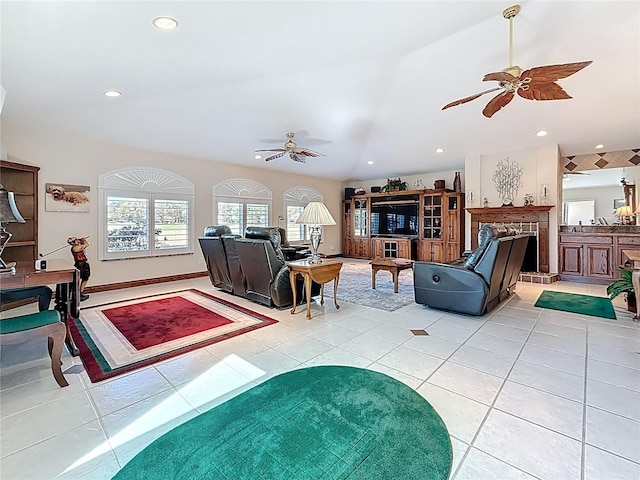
{"x":393,"y":265}
{"x":318,"y":272}
{"x":634,"y":256}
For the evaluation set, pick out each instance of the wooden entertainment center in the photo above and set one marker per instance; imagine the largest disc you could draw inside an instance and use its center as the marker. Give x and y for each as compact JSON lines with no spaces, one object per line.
{"x":415,"y":224}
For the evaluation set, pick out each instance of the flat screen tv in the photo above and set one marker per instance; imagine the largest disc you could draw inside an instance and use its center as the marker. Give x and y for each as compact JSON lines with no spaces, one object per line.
{"x":399,"y":220}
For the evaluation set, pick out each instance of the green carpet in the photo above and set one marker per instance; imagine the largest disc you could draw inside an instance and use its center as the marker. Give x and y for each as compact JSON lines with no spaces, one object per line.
{"x":576,"y":303}
{"x":313,"y":423}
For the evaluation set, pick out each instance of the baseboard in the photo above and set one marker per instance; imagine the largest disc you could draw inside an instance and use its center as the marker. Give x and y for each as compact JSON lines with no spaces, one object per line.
{"x":141,"y":283}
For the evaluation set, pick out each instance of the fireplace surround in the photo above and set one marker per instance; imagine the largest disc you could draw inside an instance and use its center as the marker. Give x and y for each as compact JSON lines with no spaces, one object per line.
{"x":534,"y":214}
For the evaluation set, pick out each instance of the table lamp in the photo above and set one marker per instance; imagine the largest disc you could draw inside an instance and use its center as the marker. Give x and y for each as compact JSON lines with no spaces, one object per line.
{"x":8,"y":214}
{"x":314,"y":215}
{"x":625,"y":213}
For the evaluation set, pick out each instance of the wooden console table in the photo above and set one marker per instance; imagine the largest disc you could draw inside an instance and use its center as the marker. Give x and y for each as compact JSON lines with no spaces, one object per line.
{"x":59,"y":272}
{"x":634,"y":256}
{"x":318,"y":272}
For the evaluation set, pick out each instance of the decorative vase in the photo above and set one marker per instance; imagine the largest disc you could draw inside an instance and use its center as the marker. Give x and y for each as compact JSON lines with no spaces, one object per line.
{"x":457,"y":183}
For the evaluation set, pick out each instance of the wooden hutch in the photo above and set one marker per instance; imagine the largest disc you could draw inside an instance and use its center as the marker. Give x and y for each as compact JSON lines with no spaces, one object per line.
{"x":416,"y":224}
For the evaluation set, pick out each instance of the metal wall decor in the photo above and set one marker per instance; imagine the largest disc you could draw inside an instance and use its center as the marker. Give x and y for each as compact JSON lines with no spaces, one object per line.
{"x":507,"y":180}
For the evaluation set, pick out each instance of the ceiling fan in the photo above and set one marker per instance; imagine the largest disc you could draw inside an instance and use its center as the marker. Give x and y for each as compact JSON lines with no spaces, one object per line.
{"x":296,"y":153}
{"x":538,"y":83}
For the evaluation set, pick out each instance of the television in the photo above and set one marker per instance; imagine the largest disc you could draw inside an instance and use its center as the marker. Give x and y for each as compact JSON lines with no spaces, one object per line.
{"x":394,"y":219}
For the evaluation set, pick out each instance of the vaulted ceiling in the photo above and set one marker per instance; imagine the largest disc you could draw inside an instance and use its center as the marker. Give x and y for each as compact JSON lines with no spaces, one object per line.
{"x":357,"y":81}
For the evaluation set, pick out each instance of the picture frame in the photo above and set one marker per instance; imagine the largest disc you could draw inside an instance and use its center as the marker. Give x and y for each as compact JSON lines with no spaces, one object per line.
{"x":63,"y":197}
{"x":617,"y":203}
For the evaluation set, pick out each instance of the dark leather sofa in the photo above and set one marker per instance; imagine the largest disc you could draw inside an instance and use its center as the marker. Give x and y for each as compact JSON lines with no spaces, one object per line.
{"x":476,"y":284}
{"x":252,"y":266}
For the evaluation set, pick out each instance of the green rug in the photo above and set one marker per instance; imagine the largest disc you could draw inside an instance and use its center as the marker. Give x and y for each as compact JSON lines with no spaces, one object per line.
{"x":576,"y":303}
{"x":313,"y":423}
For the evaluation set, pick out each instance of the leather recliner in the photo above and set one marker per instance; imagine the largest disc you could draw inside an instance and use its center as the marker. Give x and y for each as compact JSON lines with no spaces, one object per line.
{"x":479,"y":284}
{"x":292,"y":252}
{"x":264,"y":267}
{"x":215,"y":256}
{"x":235,"y":268}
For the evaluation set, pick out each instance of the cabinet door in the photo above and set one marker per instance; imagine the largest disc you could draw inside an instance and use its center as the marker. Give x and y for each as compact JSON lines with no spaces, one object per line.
{"x":404,"y":249}
{"x":452,"y":251}
{"x":361,"y":218}
{"x":599,"y":261}
{"x":571,"y":259}
{"x":432,"y":216}
{"x":430,"y":251}
{"x":346,"y":247}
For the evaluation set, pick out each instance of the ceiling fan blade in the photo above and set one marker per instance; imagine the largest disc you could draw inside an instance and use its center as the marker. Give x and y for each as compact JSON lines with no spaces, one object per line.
{"x":273,"y":157}
{"x":468,"y":99}
{"x":551,"y":73}
{"x":272,"y":150}
{"x":499,"y":77}
{"x":296,"y":158}
{"x":308,"y":153}
{"x":497,"y":103}
{"x":543,"y":91}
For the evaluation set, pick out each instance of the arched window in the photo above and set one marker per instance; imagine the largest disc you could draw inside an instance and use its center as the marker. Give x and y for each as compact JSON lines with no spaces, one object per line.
{"x":295,"y":199}
{"x":144,"y":212}
{"x":239,"y":203}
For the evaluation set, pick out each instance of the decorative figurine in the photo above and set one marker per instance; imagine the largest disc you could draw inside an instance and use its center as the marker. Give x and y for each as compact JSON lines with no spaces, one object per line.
{"x":457,"y":183}
{"x":80,"y":261}
{"x":528,"y":200}
{"x":485,"y":203}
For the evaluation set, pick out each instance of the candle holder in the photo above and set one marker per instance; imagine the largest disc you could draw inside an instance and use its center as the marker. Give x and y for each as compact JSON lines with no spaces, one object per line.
{"x":544,"y":194}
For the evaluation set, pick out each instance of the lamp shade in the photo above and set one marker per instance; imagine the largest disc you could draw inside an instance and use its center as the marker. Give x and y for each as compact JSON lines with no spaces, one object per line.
{"x":9,"y":212}
{"x":316,"y":213}
{"x":624,"y":211}
{"x":637,"y":212}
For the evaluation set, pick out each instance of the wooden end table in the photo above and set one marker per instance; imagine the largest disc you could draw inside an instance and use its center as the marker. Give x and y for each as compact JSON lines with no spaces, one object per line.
{"x":393,"y":265}
{"x":318,"y":272}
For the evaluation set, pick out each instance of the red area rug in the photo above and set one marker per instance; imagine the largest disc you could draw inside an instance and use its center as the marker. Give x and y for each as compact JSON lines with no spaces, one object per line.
{"x":147,"y":324}
{"x":118,"y":338}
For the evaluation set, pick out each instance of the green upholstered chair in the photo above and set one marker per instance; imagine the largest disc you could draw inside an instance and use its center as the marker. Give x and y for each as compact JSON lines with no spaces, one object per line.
{"x":36,"y":325}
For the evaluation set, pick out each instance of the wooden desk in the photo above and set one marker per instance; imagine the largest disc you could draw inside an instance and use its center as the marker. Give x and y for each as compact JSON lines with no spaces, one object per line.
{"x":634,"y":256}
{"x":393,"y":265}
{"x":318,"y":272}
{"x":59,"y":272}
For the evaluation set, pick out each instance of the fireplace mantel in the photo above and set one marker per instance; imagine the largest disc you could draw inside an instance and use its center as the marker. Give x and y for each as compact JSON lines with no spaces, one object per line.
{"x":536,"y":213}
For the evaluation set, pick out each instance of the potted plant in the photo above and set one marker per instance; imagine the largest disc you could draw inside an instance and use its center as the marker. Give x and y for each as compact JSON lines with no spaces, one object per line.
{"x":394,"y":184}
{"x":624,"y":284}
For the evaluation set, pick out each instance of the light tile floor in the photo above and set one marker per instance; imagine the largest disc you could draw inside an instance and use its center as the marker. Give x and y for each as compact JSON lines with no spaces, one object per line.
{"x":526,"y":393}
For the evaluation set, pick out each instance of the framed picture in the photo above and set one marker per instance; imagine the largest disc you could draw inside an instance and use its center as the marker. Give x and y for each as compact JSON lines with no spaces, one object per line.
{"x":61,"y":197}
{"x":617,"y":203}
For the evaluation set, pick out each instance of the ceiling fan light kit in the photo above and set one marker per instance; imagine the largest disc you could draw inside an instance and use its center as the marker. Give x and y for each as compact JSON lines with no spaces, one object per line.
{"x":538,"y":83}
{"x":296,"y":153}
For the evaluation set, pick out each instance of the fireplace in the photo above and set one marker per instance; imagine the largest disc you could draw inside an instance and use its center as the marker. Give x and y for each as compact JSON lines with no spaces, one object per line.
{"x":533,"y":220}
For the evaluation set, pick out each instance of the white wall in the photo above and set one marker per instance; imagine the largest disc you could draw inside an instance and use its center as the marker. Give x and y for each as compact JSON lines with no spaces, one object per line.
{"x":427,"y":180}
{"x":79,"y":162}
{"x":540,"y":166}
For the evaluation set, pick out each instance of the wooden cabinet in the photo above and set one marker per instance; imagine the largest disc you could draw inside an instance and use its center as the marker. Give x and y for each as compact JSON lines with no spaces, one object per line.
{"x":587,"y":258}
{"x":22,"y":180}
{"x":391,"y":247}
{"x":431,"y":221}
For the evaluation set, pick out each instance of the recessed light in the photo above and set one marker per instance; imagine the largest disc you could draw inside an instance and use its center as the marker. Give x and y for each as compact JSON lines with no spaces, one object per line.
{"x":111,"y":93}
{"x":257,"y":157}
{"x":599,"y":146}
{"x":541,"y":133}
{"x":439,"y":150}
{"x":165,"y":23}
{"x":370,"y":162}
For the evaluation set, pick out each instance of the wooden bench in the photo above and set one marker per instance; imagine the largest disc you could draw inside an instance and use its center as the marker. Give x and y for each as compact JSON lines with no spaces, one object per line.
{"x":37,"y":325}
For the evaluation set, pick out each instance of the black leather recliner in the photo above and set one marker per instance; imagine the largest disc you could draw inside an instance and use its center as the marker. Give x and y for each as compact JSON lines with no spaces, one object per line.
{"x":215,"y":257}
{"x":476,"y":286}
{"x":265,"y":270}
{"x":292,"y":252}
{"x":235,"y":268}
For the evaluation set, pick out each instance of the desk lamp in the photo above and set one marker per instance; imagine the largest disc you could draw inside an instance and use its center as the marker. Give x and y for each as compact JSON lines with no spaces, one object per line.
{"x":314,"y":215}
{"x":8,"y":214}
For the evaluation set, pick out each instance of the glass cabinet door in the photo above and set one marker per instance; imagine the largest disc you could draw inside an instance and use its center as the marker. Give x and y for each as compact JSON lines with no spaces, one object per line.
{"x":432,"y":216}
{"x":360,"y":218}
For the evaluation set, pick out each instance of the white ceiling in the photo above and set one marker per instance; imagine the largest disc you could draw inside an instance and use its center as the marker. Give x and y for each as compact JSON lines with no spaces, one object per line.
{"x":357,"y":81}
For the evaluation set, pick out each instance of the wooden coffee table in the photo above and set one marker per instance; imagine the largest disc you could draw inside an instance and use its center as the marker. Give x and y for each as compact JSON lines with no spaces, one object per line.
{"x":393,"y":265}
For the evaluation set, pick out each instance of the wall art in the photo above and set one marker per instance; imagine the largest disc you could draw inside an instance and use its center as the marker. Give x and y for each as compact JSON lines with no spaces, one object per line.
{"x":61,"y":197}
